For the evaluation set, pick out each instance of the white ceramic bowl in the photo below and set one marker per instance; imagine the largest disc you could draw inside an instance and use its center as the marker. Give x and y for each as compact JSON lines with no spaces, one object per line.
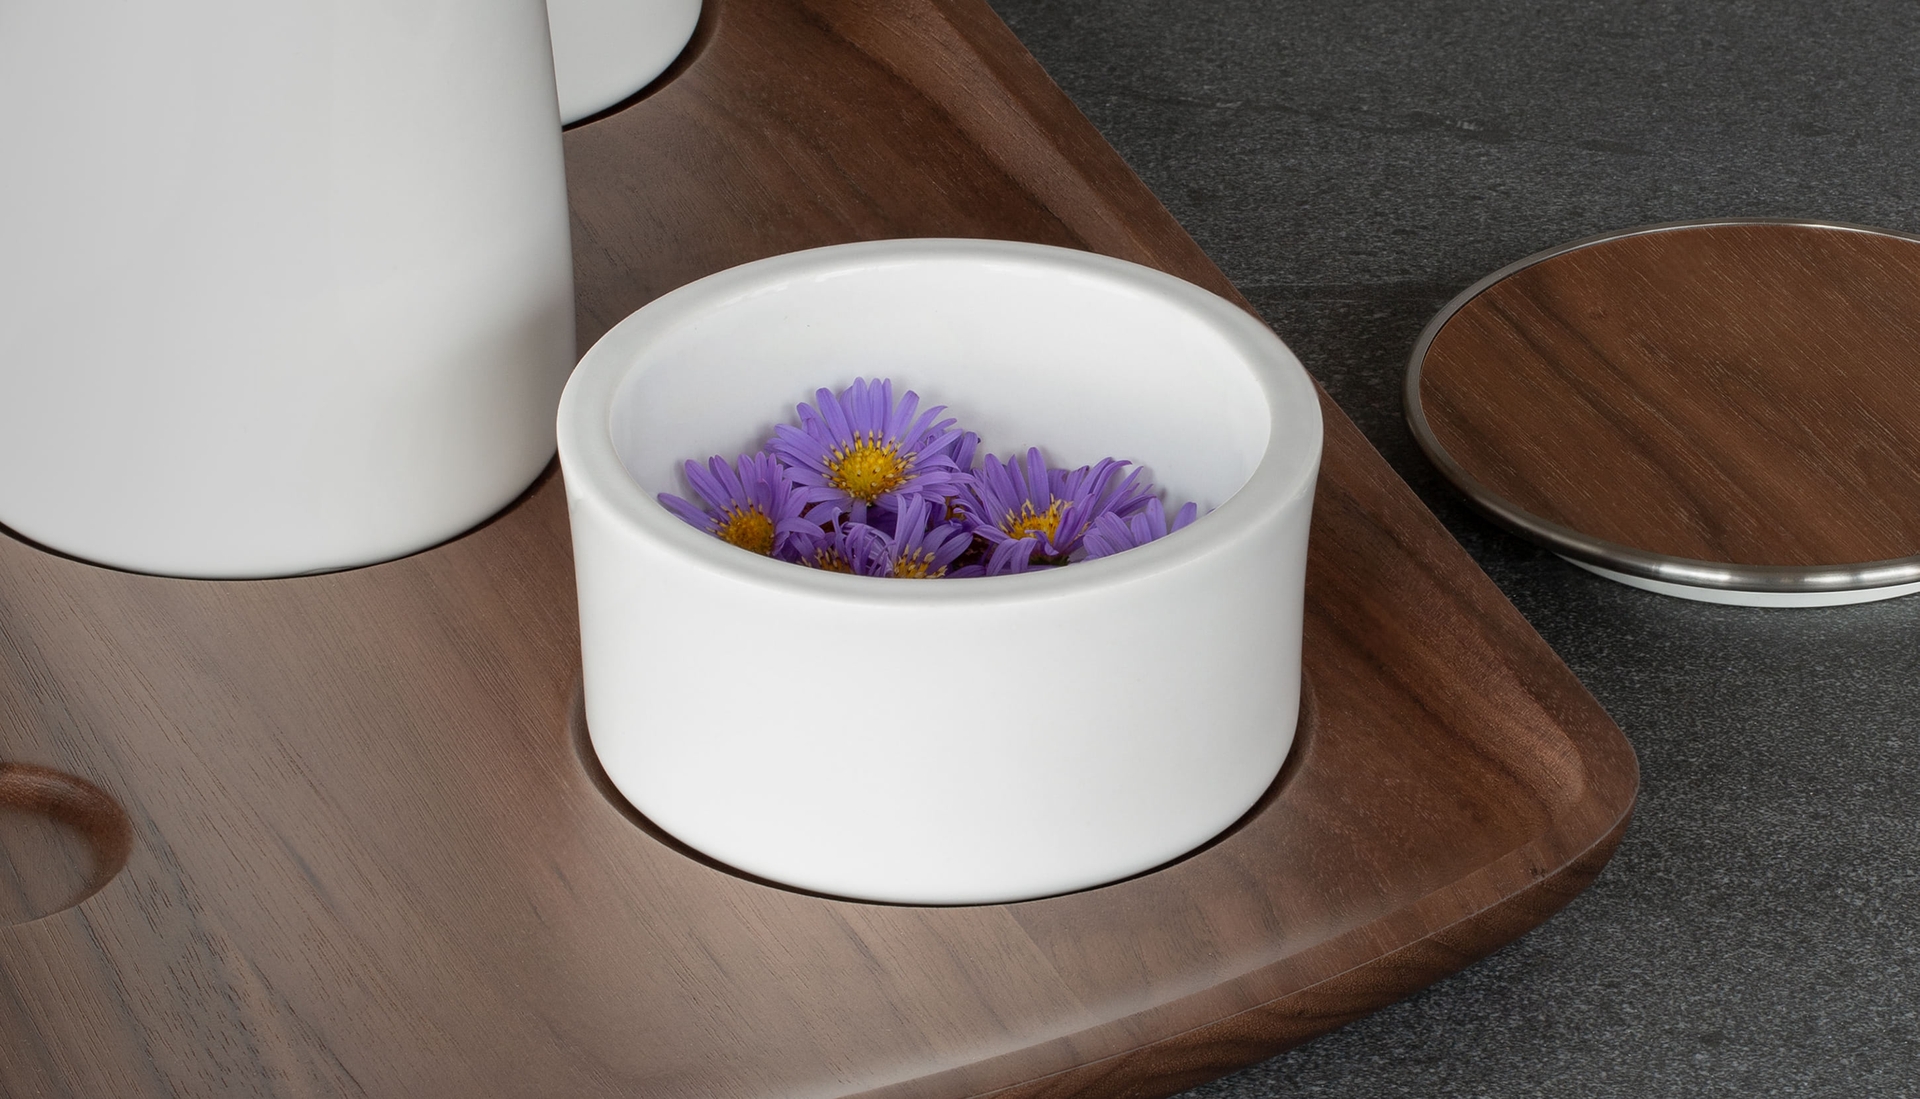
{"x":960,"y":740}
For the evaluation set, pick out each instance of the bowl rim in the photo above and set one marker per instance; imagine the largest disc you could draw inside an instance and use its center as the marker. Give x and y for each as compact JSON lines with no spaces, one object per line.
{"x":594,"y":472}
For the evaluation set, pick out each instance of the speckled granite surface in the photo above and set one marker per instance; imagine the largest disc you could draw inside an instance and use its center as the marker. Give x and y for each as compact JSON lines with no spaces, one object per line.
{"x":1352,"y":166}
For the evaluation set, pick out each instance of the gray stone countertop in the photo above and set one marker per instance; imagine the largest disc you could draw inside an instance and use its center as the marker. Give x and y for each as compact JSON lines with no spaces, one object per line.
{"x":1352,"y":166}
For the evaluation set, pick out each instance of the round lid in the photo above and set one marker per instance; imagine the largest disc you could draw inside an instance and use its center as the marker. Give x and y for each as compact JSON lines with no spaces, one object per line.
{"x":1730,"y":405}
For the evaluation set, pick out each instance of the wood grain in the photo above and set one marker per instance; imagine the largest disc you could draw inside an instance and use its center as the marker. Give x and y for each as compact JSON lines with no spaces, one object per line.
{"x":367,"y":858}
{"x":1743,"y":393}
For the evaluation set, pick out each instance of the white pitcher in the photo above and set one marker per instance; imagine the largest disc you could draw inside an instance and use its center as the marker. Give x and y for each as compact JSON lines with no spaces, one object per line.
{"x":284,"y":287}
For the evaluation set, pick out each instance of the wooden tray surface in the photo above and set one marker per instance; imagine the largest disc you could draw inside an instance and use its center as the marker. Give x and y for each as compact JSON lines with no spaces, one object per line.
{"x":368,"y":857}
{"x":1739,"y":393}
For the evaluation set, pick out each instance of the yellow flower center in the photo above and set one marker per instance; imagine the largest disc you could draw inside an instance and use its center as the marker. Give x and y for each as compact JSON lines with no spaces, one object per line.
{"x":829,"y":560}
{"x":749,"y":528}
{"x":915,"y":566}
{"x":1045,"y":523}
{"x":869,"y":468}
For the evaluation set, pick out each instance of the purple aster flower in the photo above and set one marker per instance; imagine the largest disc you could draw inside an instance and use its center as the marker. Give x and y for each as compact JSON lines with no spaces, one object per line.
{"x":920,"y":548}
{"x":1111,"y":534}
{"x":1028,"y":514}
{"x":752,"y":504}
{"x":859,"y":449}
{"x":963,"y":451}
{"x":829,"y":554}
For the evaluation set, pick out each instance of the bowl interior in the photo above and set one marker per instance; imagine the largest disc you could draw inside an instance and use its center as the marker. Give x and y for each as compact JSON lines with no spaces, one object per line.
{"x":1027,"y":350}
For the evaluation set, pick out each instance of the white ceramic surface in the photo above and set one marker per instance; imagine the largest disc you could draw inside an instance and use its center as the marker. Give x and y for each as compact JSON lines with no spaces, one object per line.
{"x":960,"y":740}
{"x":1838,"y":598}
{"x":606,"y":50}
{"x":284,"y":287}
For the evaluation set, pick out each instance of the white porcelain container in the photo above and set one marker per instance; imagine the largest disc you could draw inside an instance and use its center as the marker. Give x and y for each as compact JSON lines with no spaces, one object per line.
{"x":606,"y":50}
{"x":959,"y":740}
{"x":284,"y":287}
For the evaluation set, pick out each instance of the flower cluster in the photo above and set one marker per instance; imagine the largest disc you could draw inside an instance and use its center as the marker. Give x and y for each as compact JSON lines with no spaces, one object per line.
{"x":868,"y":486}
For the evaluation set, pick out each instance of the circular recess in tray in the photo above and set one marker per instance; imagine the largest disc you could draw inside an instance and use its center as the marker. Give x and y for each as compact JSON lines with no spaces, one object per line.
{"x":61,"y":840}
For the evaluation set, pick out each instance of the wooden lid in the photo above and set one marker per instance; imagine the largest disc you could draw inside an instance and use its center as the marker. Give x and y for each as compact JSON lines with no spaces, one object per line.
{"x":1731,"y":405}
